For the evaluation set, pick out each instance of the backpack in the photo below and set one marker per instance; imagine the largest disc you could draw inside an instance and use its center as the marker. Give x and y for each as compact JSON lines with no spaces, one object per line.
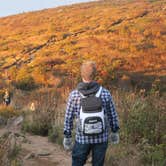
{"x":92,"y":114}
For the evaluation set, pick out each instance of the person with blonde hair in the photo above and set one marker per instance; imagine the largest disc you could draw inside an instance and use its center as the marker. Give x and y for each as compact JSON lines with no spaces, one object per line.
{"x":96,"y":119}
{"x":6,"y":98}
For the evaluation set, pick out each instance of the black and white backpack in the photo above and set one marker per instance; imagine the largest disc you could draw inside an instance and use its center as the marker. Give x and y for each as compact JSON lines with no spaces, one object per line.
{"x":92,"y":114}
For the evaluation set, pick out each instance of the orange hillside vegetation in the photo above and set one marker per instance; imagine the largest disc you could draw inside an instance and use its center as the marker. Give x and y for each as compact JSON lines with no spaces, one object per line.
{"x":128,"y":36}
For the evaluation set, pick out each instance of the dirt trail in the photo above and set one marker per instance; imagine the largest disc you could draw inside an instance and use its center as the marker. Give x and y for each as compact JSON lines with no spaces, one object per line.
{"x":34,"y":150}
{"x":47,"y":153}
{"x":38,"y":151}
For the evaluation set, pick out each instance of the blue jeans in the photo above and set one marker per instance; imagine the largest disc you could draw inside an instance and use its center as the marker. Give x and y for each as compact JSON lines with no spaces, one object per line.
{"x":81,"y":151}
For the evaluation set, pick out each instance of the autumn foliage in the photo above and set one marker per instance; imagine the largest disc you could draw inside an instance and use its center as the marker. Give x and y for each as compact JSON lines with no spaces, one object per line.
{"x":123,"y":37}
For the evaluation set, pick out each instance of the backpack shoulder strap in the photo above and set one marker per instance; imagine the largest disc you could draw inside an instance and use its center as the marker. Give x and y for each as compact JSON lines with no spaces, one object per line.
{"x":82,"y":96}
{"x":99,"y":92}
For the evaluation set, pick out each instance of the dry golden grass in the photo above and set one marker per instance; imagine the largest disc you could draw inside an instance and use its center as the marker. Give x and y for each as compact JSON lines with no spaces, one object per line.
{"x":131,"y":32}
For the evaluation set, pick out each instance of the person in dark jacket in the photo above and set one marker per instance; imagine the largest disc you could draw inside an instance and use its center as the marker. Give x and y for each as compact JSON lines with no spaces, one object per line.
{"x":6,"y":98}
{"x":97,"y":143}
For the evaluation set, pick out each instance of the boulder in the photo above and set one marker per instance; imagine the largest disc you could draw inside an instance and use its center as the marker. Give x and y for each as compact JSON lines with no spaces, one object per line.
{"x":15,"y":122}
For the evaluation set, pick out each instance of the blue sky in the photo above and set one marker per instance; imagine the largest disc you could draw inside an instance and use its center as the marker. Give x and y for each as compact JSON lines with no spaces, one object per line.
{"x":10,"y":7}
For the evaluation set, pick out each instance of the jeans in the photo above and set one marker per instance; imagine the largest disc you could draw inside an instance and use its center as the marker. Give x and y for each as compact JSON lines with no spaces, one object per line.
{"x":81,"y":151}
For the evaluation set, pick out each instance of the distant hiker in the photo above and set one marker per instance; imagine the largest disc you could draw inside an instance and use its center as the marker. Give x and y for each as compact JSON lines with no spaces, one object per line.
{"x":96,"y":119}
{"x":6,"y":98}
{"x":32,"y":107}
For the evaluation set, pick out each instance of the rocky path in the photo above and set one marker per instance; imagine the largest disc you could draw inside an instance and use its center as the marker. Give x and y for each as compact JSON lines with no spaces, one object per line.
{"x":37,"y":151}
{"x":34,"y":150}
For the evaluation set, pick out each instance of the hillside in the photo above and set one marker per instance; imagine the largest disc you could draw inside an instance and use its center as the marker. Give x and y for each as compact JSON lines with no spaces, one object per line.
{"x":126,"y":38}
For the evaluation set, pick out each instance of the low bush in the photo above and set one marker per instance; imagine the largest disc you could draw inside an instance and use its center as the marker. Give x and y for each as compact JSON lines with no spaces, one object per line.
{"x":8,"y":112}
{"x":55,"y":134}
{"x":26,"y":83}
{"x":40,"y":124}
{"x":9,"y":150}
{"x":144,"y":119}
{"x":152,"y":154}
{"x":142,"y":124}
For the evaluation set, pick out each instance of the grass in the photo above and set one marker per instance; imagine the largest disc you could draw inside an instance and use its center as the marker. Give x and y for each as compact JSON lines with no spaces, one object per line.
{"x":8,"y":112}
{"x":55,"y":134}
{"x":40,"y":124}
{"x":9,"y":150}
{"x":141,"y":115}
{"x":98,"y":41}
{"x":142,"y":125}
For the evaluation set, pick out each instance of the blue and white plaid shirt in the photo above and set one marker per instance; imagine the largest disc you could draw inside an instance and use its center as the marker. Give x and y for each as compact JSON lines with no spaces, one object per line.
{"x":73,"y":111}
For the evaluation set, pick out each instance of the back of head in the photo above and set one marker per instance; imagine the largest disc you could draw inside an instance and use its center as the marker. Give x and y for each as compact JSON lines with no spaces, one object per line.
{"x":88,"y":70}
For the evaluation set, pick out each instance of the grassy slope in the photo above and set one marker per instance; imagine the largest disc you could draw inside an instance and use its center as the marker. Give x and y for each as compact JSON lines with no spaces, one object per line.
{"x":128,"y":35}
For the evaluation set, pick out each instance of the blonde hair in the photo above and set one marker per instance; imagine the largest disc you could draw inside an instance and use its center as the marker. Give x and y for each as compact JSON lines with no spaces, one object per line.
{"x":88,"y":70}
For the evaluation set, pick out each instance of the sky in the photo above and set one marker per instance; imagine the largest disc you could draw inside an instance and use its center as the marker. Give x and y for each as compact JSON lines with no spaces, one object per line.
{"x":10,"y":7}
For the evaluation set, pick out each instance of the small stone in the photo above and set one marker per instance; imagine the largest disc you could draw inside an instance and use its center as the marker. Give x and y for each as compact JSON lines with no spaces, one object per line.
{"x":29,"y":156}
{"x":44,"y":153}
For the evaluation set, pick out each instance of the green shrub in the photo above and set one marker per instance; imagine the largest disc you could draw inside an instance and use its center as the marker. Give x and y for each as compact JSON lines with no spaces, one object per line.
{"x":152,"y":155}
{"x":8,"y":112}
{"x":26,"y":83}
{"x":40,"y":124}
{"x":144,"y":121}
{"x":143,"y":125}
{"x":56,"y":135}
